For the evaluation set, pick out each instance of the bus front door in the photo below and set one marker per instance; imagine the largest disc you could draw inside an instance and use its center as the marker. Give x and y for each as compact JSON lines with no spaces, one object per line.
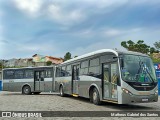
{"x":109,"y":82}
{"x":75,"y":79}
{"x":39,"y":81}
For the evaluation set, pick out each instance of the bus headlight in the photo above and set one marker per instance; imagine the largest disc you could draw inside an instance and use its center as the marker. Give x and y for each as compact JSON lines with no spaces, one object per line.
{"x":126,"y":91}
{"x":156,"y":92}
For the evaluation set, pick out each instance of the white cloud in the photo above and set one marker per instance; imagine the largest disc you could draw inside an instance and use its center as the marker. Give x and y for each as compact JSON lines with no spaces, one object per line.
{"x":63,"y":16}
{"x":31,"y":7}
{"x":64,"y":12}
{"x":115,"y":32}
{"x":74,"y":11}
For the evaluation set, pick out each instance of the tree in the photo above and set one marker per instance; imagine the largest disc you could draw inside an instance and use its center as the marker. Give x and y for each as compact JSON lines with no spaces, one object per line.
{"x":1,"y":66}
{"x":153,"y":50}
{"x":157,"y":45}
{"x":49,"y":63}
{"x":67,"y":56}
{"x":140,"y":46}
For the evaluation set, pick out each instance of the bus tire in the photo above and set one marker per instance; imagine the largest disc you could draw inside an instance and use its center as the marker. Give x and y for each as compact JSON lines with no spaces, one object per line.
{"x":61,"y":91}
{"x":91,"y":96}
{"x":96,"y":97}
{"x":26,"y":90}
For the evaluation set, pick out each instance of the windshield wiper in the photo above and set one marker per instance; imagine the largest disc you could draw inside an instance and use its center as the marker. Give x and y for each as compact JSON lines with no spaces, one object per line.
{"x":150,"y":75}
{"x":142,"y":64}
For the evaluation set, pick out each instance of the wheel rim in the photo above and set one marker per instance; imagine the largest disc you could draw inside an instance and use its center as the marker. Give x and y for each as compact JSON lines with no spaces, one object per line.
{"x":94,"y":96}
{"x":26,"y":90}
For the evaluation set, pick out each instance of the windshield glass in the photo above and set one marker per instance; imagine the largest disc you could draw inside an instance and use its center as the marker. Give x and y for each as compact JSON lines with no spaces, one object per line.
{"x":137,"y":69}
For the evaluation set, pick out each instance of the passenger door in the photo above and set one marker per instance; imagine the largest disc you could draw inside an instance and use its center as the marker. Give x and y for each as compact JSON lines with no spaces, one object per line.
{"x":39,"y":81}
{"x":75,"y":78}
{"x":110,"y":77}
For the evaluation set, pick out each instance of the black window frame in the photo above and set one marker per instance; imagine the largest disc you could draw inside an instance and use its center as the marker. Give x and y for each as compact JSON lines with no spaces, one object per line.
{"x":94,"y":64}
{"x":98,"y":65}
{"x":17,"y":76}
{"x":29,"y":76}
{"x":46,"y":71}
{"x":69,"y":71}
{"x":5,"y":76}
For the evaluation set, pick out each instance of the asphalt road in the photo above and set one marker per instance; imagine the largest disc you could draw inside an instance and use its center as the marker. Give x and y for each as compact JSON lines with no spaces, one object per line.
{"x":15,"y":101}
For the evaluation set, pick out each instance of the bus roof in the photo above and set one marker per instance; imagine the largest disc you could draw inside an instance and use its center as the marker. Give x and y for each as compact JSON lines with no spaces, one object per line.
{"x":28,"y":67}
{"x":92,"y":53}
{"x":103,"y":51}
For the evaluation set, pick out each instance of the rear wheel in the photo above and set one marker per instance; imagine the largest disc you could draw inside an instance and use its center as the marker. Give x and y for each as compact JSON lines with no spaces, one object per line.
{"x":61,"y":91}
{"x":91,"y":96}
{"x":96,"y":97}
{"x":26,"y":90}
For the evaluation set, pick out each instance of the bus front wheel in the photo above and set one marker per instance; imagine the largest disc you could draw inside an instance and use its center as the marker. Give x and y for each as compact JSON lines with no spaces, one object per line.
{"x":26,"y":90}
{"x":96,"y":97}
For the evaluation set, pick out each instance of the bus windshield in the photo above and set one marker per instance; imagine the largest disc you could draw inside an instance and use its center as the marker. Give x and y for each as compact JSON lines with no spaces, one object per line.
{"x":137,"y":69}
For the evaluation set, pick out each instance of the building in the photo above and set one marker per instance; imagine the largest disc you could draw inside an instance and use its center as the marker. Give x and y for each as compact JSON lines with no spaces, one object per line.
{"x":36,"y":60}
{"x":54,"y":60}
{"x":41,"y":60}
{"x":24,"y":62}
{"x":10,"y":62}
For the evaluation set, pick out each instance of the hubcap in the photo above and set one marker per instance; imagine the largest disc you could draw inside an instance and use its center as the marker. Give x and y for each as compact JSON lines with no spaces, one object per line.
{"x":94,"y":96}
{"x":26,"y":90}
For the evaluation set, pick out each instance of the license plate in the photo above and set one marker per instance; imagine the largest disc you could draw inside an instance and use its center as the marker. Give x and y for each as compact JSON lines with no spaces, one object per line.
{"x":144,"y":100}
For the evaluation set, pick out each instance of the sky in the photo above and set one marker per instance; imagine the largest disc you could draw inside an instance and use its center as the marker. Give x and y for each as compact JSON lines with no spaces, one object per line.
{"x":54,"y":27}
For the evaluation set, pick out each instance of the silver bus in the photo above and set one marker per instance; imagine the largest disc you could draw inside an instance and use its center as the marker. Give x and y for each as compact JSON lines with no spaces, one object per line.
{"x":29,"y":80}
{"x":109,"y":75}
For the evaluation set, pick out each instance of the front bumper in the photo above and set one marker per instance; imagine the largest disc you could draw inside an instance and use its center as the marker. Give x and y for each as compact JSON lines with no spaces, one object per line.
{"x":126,"y":98}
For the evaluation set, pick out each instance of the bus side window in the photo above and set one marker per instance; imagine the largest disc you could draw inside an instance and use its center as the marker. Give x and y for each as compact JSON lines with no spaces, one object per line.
{"x":106,"y":73}
{"x":9,"y":74}
{"x":19,"y":74}
{"x":94,"y":68}
{"x":76,"y":72}
{"x":84,"y":68}
{"x":48,"y":73}
{"x":37,"y":76}
{"x":68,"y":70}
{"x":42,"y":76}
{"x":58,"y":71}
{"x":28,"y":74}
{"x":63,"y":71}
{"x":114,"y":73}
